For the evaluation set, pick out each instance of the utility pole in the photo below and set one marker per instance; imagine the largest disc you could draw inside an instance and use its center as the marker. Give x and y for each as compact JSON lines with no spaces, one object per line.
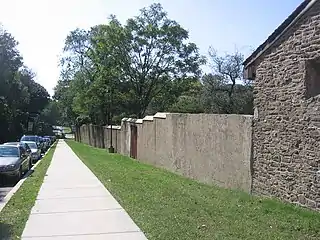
{"x":111,"y":148}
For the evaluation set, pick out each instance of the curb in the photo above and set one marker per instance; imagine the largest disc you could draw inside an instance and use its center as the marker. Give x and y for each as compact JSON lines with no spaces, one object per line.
{"x":18,"y":184}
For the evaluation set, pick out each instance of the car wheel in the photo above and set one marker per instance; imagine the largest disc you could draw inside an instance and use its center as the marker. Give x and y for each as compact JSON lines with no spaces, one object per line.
{"x":30,"y":164}
{"x":19,"y":175}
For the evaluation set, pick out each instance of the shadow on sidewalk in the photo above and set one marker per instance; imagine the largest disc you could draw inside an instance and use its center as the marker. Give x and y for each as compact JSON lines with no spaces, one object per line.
{"x":5,"y":231}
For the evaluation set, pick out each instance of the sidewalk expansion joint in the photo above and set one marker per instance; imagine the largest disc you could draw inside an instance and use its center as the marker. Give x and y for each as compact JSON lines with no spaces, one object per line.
{"x":49,"y":198}
{"x":66,"y":188}
{"x":82,"y":234}
{"x":76,"y":211}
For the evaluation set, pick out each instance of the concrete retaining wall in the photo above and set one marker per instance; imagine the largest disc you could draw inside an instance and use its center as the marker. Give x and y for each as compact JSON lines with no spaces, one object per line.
{"x":210,"y":148}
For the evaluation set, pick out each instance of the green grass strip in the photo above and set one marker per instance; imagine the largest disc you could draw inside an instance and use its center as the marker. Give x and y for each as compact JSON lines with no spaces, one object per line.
{"x":15,"y":214}
{"x":168,"y":206}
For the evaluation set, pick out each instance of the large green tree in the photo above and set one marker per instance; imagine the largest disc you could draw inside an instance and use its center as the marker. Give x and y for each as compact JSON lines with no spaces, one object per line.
{"x":153,"y":51}
{"x":123,"y":69}
{"x":20,"y":95}
{"x":145,"y":65}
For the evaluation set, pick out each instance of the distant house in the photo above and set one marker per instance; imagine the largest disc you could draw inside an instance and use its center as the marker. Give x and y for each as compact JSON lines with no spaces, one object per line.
{"x":285,"y":70}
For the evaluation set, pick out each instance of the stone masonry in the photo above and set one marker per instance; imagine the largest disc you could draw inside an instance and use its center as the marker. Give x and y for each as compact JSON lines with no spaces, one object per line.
{"x":286,"y":131}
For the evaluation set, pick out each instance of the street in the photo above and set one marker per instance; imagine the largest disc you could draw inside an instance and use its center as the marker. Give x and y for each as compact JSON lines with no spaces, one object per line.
{"x":5,"y":187}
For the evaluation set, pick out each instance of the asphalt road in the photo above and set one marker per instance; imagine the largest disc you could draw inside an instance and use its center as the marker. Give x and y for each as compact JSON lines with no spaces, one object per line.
{"x":5,"y":187}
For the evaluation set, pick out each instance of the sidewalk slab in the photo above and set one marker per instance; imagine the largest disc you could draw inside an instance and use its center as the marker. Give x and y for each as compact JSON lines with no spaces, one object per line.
{"x":59,"y":182}
{"x":70,"y":205}
{"x":73,"y":204}
{"x":73,"y":193}
{"x":79,"y":223}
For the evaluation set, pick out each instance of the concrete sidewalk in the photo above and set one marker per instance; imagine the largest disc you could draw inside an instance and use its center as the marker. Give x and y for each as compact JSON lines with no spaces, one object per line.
{"x":73,"y":204}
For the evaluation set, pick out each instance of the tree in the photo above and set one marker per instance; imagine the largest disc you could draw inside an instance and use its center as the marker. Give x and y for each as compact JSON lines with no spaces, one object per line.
{"x":20,"y":95}
{"x":216,"y":98}
{"x":64,"y":95}
{"x":227,"y":72}
{"x":115,"y":70}
{"x":154,"y":51}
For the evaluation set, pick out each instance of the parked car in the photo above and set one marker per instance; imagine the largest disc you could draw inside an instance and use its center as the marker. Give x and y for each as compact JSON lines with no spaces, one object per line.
{"x":31,"y":138}
{"x":35,"y":151}
{"x":24,"y":145}
{"x":11,"y":143}
{"x":47,"y":142}
{"x":52,"y":140}
{"x":14,"y":161}
{"x":34,"y":138}
{"x":43,"y":146}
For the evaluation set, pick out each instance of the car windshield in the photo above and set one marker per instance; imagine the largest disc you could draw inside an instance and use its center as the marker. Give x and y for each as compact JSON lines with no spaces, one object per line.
{"x":29,"y":138}
{"x":32,"y":145}
{"x":9,"y":151}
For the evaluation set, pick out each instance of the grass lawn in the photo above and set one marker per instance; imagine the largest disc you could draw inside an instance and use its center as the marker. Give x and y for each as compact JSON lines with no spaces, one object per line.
{"x":167,"y":206}
{"x":15,"y":214}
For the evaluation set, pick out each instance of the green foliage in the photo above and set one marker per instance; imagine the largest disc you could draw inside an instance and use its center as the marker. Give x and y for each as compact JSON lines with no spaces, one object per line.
{"x":123,"y":69}
{"x":20,"y":95}
{"x":49,"y":116}
{"x":146,"y":65}
{"x":216,"y":96}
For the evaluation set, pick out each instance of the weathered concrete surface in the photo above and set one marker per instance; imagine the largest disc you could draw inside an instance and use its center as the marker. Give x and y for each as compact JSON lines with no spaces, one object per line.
{"x":286,"y":126}
{"x":210,"y":148}
{"x":73,"y":203}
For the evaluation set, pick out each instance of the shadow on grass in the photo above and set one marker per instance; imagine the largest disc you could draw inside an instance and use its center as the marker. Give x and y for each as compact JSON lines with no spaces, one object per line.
{"x":5,"y":231}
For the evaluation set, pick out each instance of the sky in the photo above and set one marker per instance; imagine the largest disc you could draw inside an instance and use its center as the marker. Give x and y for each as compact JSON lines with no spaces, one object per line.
{"x":41,"y":26}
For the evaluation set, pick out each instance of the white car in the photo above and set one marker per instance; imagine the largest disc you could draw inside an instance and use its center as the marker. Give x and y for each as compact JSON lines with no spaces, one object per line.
{"x":35,"y":151}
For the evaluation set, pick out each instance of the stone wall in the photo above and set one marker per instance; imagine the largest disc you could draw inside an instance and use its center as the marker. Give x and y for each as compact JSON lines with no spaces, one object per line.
{"x":286,"y":124}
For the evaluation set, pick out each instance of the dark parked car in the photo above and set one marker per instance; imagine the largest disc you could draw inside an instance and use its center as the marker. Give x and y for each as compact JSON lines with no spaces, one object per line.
{"x":47,"y":142}
{"x":43,"y":145}
{"x":52,"y":140}
{"x":31,"y":138}
{"x":14,"y":160}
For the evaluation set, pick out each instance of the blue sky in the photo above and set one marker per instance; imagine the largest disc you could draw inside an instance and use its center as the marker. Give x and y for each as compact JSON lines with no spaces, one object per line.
{"x":41,"y":26}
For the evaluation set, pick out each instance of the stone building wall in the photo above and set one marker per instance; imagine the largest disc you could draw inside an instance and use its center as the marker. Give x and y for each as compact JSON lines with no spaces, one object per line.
{"x":286,"y":132}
